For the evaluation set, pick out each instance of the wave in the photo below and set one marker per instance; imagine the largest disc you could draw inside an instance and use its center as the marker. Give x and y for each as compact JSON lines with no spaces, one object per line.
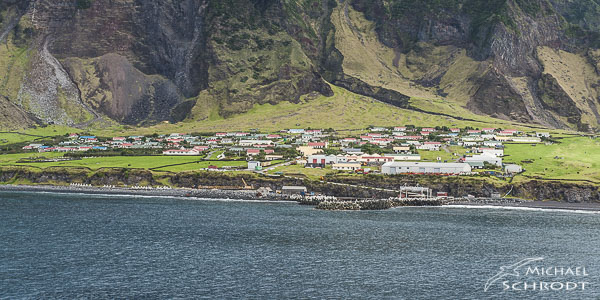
{"x":521,"y":208}
{"x":126,"y":195}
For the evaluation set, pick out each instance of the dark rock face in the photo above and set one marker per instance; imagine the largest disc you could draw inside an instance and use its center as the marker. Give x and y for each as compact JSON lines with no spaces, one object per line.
{"x":555,"y":99}
{"x":379,"y":93}
{"x":504,"y":33}
{"x":144,"y":61}
{"x":454,"y":186}
{"x":494,"y":98}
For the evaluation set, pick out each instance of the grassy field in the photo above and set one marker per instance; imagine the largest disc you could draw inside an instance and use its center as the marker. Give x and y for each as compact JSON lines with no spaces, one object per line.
{"x":444,"y":155}
{"x":343,"y":111}
{"x":143,"y":162}
{"x":33,"y":134}
{"x":156,"y":163}
{"x":202,"y":164}
{"x":574,"y":158}
{"x":298,"y":170}
{"x":11,"y":159}
{"x":215,"y":154}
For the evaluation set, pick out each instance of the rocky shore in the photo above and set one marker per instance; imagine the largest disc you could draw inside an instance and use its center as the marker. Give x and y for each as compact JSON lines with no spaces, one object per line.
{"x":319,"y":202}
{"x":178,"y":192}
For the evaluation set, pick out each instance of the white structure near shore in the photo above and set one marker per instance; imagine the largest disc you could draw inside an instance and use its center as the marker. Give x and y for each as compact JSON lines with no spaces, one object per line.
{"x":392,"y":168}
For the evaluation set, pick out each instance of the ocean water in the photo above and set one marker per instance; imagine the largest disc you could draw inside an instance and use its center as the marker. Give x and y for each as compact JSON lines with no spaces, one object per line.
{"x":67,"y":246}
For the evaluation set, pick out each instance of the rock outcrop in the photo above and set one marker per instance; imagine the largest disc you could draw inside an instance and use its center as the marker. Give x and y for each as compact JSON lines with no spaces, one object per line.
{"x":137,"y":62}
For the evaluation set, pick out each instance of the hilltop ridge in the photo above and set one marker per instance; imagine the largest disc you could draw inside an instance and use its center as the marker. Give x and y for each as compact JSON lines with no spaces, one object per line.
{"x":102,"y":63}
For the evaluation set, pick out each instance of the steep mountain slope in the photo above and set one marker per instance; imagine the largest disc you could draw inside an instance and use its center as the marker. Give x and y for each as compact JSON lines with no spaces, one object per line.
{"x":139,"y":62}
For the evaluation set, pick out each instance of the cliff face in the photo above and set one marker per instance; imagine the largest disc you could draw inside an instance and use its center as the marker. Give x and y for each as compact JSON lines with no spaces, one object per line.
{"x":79,"y":62}
{"x":454,"y":186}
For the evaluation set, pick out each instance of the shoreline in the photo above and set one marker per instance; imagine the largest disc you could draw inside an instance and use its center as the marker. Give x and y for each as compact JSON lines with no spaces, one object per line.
{"x":247,"y":195}
{"x":251,"y":195}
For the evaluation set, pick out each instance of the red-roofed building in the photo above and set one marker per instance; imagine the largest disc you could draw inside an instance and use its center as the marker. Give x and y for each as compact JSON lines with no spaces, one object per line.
{"x":317,"y":145}
{"x":252,"y":152}
{"x":376,"y":159}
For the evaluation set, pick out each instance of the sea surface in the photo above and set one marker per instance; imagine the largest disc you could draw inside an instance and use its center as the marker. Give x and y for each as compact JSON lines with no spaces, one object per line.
{"x":65,"y":246}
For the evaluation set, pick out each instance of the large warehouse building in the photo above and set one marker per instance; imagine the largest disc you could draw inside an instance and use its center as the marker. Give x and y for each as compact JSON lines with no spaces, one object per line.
{"x":392,"y":168}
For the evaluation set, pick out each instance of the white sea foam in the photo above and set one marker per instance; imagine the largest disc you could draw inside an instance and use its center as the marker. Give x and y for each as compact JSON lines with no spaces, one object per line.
{"x":538,"y":209}
{"x":117,"y":195}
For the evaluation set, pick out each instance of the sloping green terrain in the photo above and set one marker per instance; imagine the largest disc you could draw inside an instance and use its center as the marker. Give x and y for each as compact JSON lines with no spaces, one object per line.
{"x":208,"y":63}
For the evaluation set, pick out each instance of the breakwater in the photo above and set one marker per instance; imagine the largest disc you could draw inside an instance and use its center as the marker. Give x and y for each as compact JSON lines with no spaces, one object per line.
{"x":332,"y":203}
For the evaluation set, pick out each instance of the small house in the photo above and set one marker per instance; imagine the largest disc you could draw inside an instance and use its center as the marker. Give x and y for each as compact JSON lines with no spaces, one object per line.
{"x":294,"y":190}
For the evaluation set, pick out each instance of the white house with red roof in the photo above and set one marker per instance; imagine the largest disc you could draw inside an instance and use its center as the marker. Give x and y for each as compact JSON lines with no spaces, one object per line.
{"x":374,"y":158}
{"x":201,"y":148}
{"x":318,"y":145}
{"x":252,"y":152}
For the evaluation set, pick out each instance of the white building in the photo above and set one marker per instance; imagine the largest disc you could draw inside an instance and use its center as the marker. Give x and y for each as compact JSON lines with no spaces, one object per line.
{"x":245,"y":143}
{"x":430,"y":146}
{"x":526,"y":139}
{"x":542,"y":134}
{"x":181,"y":152}
{"x":492,"y":143}
{"x":378,"y":129}
{"x":401,"y":149}
{"x":513,"y":169}
{"x":492,"y":152}
{"x":404,"y":157}
{"x":321,"y":160}
{"x":424,"y":168}
{"x":485,"y":158}
{"x":254,"y":165}
{"x":346,"y":166}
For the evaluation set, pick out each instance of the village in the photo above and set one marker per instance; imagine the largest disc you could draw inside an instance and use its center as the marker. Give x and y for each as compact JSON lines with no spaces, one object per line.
{"x":383,"y":150}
